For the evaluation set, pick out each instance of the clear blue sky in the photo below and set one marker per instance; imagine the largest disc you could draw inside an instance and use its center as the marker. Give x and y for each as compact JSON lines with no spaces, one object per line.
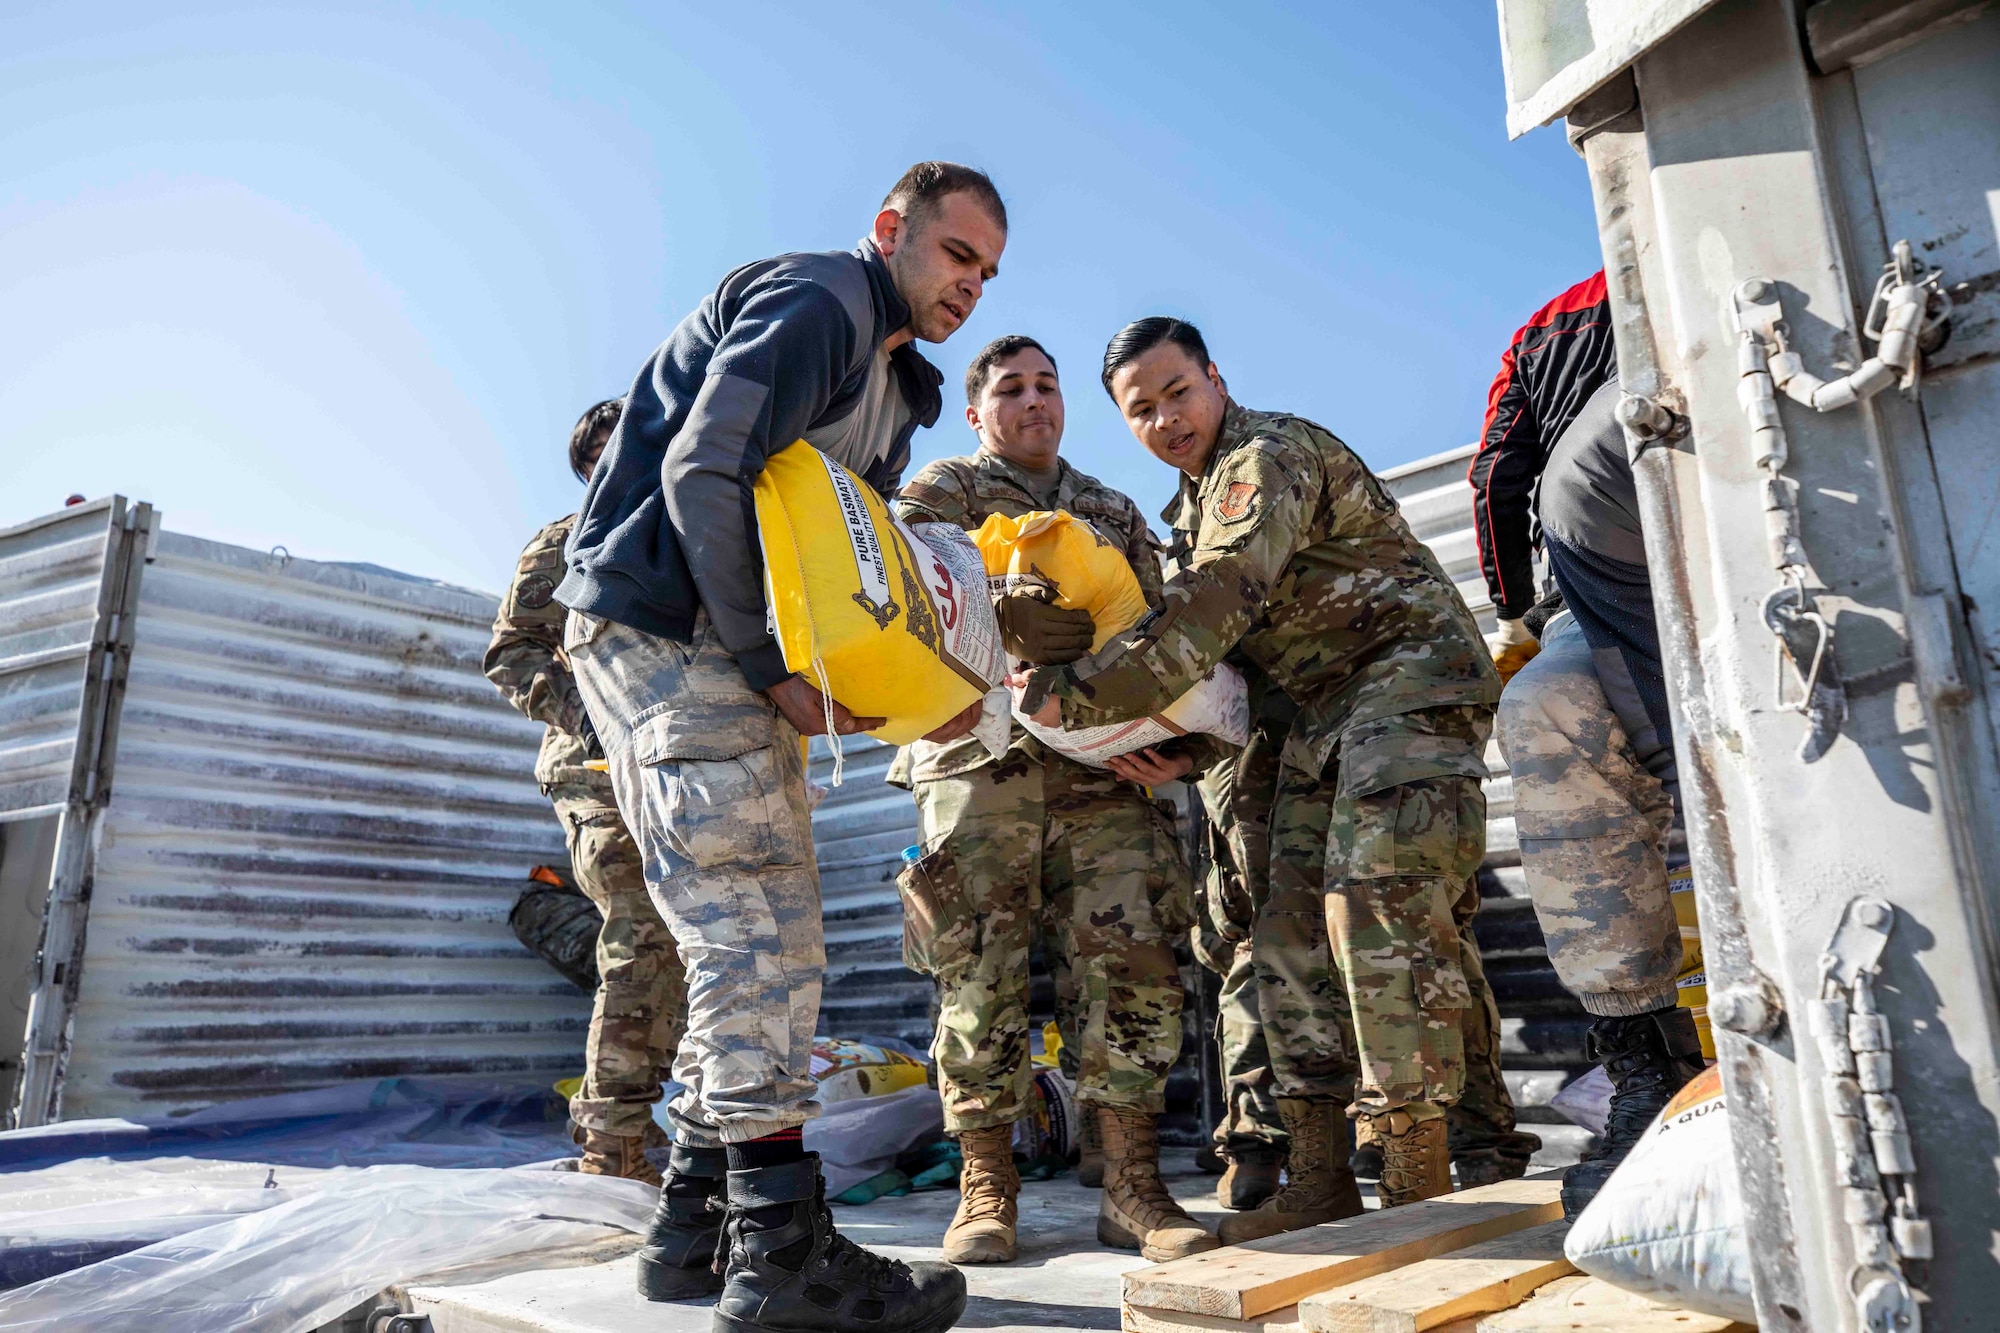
{"x":341,"y":277}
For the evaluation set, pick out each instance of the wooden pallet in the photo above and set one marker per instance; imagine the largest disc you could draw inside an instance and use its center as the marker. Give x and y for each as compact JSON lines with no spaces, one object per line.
{"x":1486,"y":1260}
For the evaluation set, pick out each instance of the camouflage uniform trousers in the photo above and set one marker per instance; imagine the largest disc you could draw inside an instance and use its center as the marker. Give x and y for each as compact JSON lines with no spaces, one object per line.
{"x":1309,"y":1019}
{"x":714,"y":784}
{"x":1391,"y":865}
{"x":1593,"y":824}
{"x":1236,"y":793}
{"x":1041,"y":843}
{"x":640,"y":1009}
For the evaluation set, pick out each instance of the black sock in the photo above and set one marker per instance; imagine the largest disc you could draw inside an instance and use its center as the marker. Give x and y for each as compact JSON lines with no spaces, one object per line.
{"x":787,"y":1145}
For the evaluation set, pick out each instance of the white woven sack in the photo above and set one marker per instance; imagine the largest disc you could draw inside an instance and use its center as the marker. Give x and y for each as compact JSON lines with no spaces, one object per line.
{"x":1669,"y":1222}
{"x":1218,"y":705}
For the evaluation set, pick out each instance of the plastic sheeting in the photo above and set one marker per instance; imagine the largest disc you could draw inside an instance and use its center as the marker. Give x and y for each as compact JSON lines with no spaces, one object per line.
{"x":66,"y":1216}
{"x":1586,"y":1100}
{"x":863,"y":1137}
{"x":306,"y":1261}
{"x":131,"y":1199}
{"x":410,"y":1121}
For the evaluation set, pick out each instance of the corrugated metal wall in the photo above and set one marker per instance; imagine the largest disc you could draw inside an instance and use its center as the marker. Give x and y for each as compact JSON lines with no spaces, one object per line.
{"x":321,"y":815}
{"x":863,"y":826}
{"x":51,"y":576}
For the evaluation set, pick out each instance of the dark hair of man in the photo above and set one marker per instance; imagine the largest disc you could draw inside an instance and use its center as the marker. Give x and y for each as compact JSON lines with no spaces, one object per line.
{"x":923,"y":188}
{"x":592,"y":430}
{"x":980,"y":372}
{"x":1143,"y":335}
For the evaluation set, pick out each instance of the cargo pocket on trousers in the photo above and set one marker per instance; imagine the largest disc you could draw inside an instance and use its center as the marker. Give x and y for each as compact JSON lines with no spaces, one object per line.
{"x":722,"y":812}
{"x":600,"y":816}
{"x":1413,"y":829}
{"x":939,"y":927}
{"x":1440,"y":984}
{"x":1362,"y":841}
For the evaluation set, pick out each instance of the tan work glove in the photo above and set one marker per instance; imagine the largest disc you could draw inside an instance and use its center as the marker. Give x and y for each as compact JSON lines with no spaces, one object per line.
{"x":1512,"y":647}
{"x":1036,"y":630}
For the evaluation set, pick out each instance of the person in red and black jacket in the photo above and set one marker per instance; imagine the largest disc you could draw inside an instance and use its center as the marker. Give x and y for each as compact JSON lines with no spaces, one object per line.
{"x":1555,"y":362}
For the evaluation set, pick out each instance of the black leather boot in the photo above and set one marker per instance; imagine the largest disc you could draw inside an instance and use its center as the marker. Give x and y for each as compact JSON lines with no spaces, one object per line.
{"x":1649,"y":1058}
{"x":791,"y":1272}
{"x":677,"y":1261}
{"x":1256,"y":1170}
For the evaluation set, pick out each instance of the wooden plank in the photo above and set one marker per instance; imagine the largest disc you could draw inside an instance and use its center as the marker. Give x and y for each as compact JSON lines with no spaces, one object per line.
{"x":1479,"y":1279}
{"x":1138,"y":1319}
{"x":1245,"y":1281}
{"x":1588,"y":1305}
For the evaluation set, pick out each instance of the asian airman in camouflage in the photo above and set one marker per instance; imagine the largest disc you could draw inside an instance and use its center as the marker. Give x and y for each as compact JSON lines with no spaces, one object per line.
{"x":1302,"y":562}
{"x":639,"y":1011}
{"x":1034,"y":842}
{"x":1306,"y":1026}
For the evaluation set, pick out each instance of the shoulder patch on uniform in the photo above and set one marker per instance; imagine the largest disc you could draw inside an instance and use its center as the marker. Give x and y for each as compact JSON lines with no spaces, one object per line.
{"x":1237,"y":501}
{"x":535,"y":592}
{"x":924,"y":492}
{"x":934,"y":498}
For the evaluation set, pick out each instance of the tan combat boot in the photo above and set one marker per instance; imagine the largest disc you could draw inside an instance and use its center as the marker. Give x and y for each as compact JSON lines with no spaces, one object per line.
{"x":1137,"y":1213}
{"x":1319,"y":1187}
{"x":1090,"y":1151}
{"x":982,"y":1231}
{"x":615,"y":1155}
{"x":1416,"y":1156}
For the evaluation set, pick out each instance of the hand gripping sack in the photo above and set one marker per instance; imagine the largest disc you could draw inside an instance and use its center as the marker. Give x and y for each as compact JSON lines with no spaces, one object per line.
{"x":1065,"y":554}
{"x":891,"y":620}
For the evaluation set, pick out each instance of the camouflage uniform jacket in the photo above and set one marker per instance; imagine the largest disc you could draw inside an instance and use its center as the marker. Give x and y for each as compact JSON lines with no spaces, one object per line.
{"x":1297,"y":557}
{"x":526,"y":661}
{"x":965,"y":491}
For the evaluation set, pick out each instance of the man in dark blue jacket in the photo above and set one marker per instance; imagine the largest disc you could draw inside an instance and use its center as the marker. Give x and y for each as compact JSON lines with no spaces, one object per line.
{"x":670,"y":641}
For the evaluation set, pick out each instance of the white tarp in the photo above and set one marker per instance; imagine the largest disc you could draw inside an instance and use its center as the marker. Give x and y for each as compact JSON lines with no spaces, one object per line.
{"x":332,"y":1244}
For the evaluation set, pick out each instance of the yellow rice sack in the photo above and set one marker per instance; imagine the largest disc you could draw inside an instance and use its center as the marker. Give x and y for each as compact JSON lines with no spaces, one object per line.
{"x":1691,"y":985}
{"x":846,"y":1070}
{"x":1064,"y":553}
{"x":891,"y":620}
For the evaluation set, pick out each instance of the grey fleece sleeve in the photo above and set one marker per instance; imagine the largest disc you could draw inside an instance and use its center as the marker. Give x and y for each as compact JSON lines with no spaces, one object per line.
{"x":779,"y":362}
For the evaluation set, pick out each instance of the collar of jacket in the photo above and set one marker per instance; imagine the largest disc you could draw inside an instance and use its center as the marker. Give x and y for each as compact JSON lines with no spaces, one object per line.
{"x":1182,"y":511}
{"x":1015,"y":476}
{"x":892,"y":312}
{"x":921,"y":381}
{"x":1233,"y":431}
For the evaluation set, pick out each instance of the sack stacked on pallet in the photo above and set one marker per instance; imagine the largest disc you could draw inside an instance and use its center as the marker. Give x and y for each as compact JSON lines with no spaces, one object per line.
{"x":891,"y":619}
{"x":1669,"y":1222}
{"x":1064,"y":554}
{"x":1691,"y":983}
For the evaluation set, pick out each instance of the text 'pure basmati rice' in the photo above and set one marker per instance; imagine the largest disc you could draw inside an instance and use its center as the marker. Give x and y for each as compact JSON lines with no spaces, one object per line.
{"x":1065,"y":554}
{"x":890,"y":620}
